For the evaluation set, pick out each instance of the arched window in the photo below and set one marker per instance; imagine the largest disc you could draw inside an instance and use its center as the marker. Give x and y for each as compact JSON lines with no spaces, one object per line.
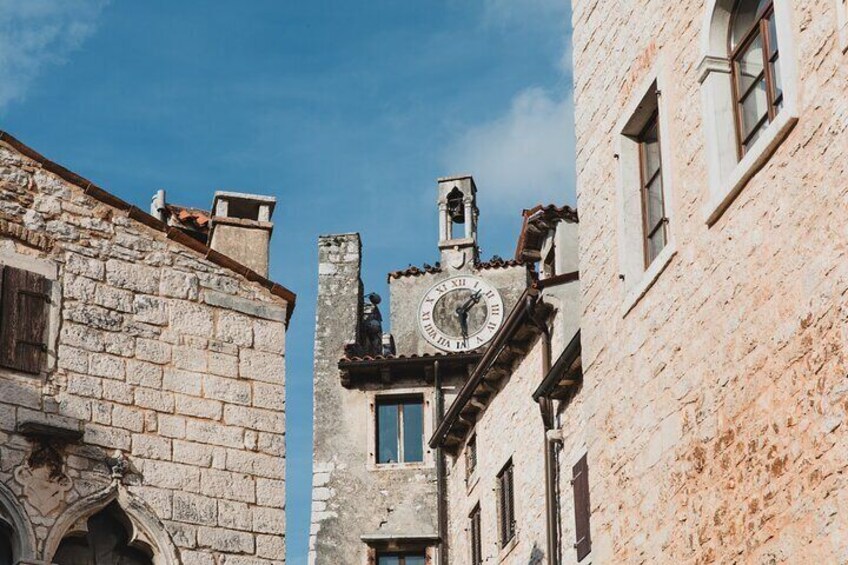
{"x":106,"y":542}
{"x":749,"y":77}
{"x":755,"y":56}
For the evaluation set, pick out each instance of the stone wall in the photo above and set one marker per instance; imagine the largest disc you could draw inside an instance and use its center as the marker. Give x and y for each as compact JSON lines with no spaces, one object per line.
{"x":716,"y":407}
{"x":160,"y":357}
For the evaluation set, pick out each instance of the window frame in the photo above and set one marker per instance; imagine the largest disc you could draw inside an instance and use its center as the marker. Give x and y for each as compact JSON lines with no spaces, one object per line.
{"x":371,"y":445}
{"x":399,"y":402}
{"x":842,"y":24}
{"x":760,"y":28}
{"x":649,"y":231}
{"x":507,"y":523}
{"x":401,"y":555}
{"x":475,"y":529}
{"x":471,"y":454}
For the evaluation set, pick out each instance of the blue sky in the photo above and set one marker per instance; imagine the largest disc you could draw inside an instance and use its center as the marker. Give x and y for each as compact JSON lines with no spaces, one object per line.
{"x":345,"y":111}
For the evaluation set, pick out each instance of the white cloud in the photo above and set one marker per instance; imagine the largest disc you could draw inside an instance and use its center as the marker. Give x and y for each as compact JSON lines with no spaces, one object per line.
{"x":514,"y":12}
{"x":523,"y":158}
{"x":37,"y":33}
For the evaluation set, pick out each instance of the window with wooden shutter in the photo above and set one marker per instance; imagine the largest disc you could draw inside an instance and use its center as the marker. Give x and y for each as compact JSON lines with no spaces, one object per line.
{"x":506,"y":504}
{"x":24,"y":311}
{"x":580,"y":486}
{"x":476,"y":539}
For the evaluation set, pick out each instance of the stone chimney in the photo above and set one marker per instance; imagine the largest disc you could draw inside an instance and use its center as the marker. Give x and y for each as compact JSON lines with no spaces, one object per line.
{"x":241,"y":228}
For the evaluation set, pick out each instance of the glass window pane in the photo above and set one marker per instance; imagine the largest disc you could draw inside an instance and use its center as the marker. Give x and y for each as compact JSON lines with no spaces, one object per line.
{"x":655,"y":202}
{"x":388,"y":560}
{"x":746,"y":13}
{"x":772,"y":31}
{"x":387,"y":433}
{"x":749,"y":65}
{"x":656,"y":243}
{"x":651,"y":151}
{"x":415,"y":560}
{"x":754,"y":108}
{"x":413,"y":431}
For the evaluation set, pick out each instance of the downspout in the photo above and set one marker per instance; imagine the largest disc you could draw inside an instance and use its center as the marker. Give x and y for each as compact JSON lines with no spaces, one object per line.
{"x":441,"y":502}
{"x":546,"y":409}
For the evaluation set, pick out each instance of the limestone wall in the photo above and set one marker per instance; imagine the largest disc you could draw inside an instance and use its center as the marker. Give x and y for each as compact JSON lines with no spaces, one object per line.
{"x":716,"y":407}
{"x":159,"y":354}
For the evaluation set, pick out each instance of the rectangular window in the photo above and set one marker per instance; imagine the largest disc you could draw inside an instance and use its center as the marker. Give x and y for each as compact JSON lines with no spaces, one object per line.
{"x":408,"y":558}
{"x":24,"y":312}
{"x":506,"y":504}
{"x":476,"y":539}
{"x":582,"y":509}
{"x":400,"y":430}
{"x":470,"y":457}
{"x":653,"y":202}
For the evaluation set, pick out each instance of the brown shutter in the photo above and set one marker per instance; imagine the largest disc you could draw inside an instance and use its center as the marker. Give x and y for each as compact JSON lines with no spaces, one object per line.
{"x":24,"y":306}
{"x":510,"y":502}
{"x":580,"y":485}
{"x":476,"y":541}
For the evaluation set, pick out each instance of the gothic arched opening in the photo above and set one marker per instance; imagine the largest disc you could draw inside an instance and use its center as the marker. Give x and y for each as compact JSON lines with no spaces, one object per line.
{"x":106,"y":541}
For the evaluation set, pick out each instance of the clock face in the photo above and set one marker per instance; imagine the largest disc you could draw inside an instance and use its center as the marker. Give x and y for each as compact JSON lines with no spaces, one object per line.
{"x":460,"y":313}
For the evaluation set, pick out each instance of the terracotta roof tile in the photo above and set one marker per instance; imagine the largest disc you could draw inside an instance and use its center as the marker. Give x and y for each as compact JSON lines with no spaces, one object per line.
{"x":493,"y":263}
{"x":537,"y":221}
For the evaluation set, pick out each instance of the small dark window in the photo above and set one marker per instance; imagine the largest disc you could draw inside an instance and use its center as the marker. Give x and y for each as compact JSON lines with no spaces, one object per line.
{"x":582,"y":509}
{"x":24,"y":313}
{"x":476,"y":538}
{"x":6,"y":554}
{"x":470,"y":457}
{"x":407,"y":558}
{"x":653,"y":202}
{"x":506,"y":504}
{"x":549,"y":267}
{"x":106,"y":542}
{"x":400,"y":430}
{"x":757,"y":84}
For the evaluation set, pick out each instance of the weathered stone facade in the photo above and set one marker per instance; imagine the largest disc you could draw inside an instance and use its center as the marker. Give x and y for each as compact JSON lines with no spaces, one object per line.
{"x":362,"y":508}
{"x":715,"y":403}
{"x":163,"y":389}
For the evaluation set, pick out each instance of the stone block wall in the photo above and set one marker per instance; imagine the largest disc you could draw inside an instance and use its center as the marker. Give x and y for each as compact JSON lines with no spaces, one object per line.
{"x":716,"y":407}
{"x":160,"y":357}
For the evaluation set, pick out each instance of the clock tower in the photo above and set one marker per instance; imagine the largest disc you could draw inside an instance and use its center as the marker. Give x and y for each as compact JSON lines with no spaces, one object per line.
{"x":380,"y":389}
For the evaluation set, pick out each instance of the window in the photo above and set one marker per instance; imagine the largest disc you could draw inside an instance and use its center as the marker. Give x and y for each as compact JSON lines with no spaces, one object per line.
{"x":6,"y":555}
{"x":413,"y":558}
{"x":105,"y":541}
{"x":476,"y":540}
{"x":24,"y":312}
{"x":653,"y":203}
{"x":506,"y":505}
{"x":470,"y":457}
{"x":582,"y":509}
{"x":400,"y":430}
{"x":645,"y":231}
{"x":842,"y":23}
{"x":749,"y":77}
{"x":756,"y":62}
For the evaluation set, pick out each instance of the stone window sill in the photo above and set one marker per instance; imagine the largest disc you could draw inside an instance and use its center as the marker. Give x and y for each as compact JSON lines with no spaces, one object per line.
{"x":753,"y":161}
{"x":399,"y":466}
{"x":508,"y":548}
{"x":649,"y":277}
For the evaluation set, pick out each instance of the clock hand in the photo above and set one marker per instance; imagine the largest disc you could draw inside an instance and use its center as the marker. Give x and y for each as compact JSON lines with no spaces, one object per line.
{"x":469,"y":304}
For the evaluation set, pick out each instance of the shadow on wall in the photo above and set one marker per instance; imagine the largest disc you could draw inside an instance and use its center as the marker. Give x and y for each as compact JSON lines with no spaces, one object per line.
{"x":537,"y":556}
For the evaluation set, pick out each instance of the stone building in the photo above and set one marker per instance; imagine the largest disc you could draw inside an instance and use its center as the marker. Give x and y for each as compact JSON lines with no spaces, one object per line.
{"x":379,"y":490}
{"x":142,"y":400}
{"x":502,"y":433}
{"x":712,"y":159}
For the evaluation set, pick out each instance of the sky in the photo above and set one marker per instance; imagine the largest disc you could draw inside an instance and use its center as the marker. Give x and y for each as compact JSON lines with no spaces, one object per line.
{"x":346,"y":111}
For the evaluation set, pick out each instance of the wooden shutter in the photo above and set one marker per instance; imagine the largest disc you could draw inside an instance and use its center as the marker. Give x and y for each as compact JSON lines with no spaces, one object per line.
{"x":582,"y":509}
{"x":476,"y":540}
{"x":510,"y":502}
{"x":506,"y":504}
{"x":24,"y":313}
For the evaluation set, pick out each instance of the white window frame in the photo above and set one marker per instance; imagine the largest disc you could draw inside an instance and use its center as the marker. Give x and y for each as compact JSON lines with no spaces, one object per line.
{"x":635,"y":277}
{"x":727,"y":174}
{"x":842,"y":24}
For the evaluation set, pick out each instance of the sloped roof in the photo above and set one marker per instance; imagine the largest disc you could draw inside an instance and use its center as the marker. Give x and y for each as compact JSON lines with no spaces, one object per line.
{"x":135,"y":213}
{"x":537,"y":222}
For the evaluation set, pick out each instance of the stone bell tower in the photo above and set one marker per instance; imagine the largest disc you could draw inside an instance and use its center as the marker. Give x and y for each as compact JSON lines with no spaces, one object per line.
{"x":458,"y":214}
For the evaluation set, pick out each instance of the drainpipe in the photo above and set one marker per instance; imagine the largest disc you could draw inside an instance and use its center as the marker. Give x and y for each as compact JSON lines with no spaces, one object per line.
{"x":546,"y":409}
{"x":441,"y":502}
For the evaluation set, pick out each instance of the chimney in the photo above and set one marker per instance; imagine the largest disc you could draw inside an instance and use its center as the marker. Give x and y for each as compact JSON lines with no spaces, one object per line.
{"x":241,"y":228}
{"x":157,"y":205}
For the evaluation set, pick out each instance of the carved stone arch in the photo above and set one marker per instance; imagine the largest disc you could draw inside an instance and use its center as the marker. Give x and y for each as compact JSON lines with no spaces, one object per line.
{"x":145,"y":530}
{"x":14,"y":517}
{"x":716,"y":28}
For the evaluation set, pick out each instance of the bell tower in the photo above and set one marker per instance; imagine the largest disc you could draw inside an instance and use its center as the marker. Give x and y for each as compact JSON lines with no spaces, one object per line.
{"x":458,"y":215}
